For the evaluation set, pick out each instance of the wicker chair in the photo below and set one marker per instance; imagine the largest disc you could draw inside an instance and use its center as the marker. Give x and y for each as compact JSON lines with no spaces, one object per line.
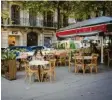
{"x":29,"y":72}
{"x":50,"y":72}
{"x":109,"y":57}
{"x":93,"y":63}
{"x":68,"y":60}
{"x":79,"y":63}
{"x":61,"y":60}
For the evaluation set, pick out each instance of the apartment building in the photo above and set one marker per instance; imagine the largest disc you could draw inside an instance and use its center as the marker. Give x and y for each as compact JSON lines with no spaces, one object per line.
{"x":23,"y":28}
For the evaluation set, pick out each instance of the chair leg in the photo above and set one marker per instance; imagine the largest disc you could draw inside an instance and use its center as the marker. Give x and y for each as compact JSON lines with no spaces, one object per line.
{"x":37,"y":76}
{"x":69,"y":68}
{"x":42,"y":77}
{"x":54,"y":75}
{"x":30,"y":77}
{"x":75,"y":69}
{"x":50,"y":77}
{"x":108,"y":62}
{"x":58,"y":64}
{"x":96,"y":69}
{"x":46,"y":79}
{"x":26,"y":76}
{"x":91,"y":70}
{"x":83,"y":70}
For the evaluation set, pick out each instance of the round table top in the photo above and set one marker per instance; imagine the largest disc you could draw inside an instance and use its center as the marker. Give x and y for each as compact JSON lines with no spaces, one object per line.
{"x":21,"y":57}
{"x":38,"y":62}
{"x":86,"y":57}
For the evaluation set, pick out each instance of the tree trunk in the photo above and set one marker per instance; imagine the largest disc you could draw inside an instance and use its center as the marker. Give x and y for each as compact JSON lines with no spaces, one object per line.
{"x":96,"y":13}
{"x":58,"y":16}
{"x":103,"y":9}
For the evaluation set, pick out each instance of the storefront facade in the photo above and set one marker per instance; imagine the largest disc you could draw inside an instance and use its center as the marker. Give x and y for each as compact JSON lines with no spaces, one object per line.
{"x":15,"y":37}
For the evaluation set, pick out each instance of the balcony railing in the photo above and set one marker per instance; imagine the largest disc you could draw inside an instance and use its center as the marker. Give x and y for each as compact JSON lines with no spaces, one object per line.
{"x":27,"y":22}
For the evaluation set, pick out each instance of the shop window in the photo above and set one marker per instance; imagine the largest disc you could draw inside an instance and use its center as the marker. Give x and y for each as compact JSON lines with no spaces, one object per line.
{"x":11,"y":41}
{"x":47,"y":41}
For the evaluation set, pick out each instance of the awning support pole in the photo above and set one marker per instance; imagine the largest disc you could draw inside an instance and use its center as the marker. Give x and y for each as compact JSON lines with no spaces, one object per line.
{"x":102,"y":49}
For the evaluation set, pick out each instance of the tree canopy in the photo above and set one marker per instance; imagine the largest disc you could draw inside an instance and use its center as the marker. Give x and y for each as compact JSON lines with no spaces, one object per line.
{"x":79,"y":10}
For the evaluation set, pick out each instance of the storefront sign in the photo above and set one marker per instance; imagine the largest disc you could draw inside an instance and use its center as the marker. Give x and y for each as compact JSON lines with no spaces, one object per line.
{"x":14,"y":32}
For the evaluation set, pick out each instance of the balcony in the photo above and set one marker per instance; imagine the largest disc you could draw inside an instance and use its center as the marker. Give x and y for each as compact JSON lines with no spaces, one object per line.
{"x":26,"y":22}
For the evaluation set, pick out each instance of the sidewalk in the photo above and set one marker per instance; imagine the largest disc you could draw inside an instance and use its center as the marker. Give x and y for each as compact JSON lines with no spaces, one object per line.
{"x":68,"y":86}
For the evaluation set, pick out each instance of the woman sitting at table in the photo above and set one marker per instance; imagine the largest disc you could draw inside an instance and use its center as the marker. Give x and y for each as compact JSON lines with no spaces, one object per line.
{"x":38,"y":55}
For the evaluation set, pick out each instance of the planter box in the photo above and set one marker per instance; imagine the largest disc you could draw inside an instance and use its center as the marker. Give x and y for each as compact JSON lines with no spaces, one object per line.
{"x":11,"y":74}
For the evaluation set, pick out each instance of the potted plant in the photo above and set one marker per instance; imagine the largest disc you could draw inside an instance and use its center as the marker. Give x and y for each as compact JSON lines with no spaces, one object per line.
{"x":9,"y":60}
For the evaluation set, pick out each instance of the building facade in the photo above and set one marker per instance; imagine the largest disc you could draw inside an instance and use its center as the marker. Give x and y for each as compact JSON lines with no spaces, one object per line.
{"x":21,"y":27}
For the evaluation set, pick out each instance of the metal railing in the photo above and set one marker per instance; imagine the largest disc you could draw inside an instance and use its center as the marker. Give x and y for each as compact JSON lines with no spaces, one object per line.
{"x":29,"y":22}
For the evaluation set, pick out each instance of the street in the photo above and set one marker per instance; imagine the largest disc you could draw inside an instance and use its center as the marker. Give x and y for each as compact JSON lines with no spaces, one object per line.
{"x":68,"y":86}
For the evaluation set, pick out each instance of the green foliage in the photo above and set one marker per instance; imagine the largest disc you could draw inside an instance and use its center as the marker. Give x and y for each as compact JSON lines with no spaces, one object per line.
{"x":72,"y":45}
{"x":19,"y":50}
{"x":38,"y":6}
{"x":5,"y":14}
{"x":9,"y":55}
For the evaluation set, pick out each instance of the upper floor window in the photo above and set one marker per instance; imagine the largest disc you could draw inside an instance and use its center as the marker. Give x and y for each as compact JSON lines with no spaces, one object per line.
{"x":1,"y":5}
{"x":4,"y":5}
{"x":48,"y":19}
{"x":32,"y":17}
{"x":15,"y":14}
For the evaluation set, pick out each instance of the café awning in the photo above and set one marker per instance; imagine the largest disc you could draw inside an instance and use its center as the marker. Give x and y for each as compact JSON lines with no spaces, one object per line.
{"x":87,"y":27}
{"x":82,"y":31}
{"x":81,"y":34}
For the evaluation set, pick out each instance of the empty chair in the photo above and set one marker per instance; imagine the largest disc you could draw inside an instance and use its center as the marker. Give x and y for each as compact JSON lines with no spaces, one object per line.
{"x":49,"y":71}
{"x":93,"y":63}
{"x":30,"y":71}
{"x":68,"y":60}
{"x":79,"y":63}
{"x":61,"y":60}
{"x":109,"y":53}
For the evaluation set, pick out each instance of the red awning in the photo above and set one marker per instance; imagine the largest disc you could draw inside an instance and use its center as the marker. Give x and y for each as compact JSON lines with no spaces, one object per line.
{"x":77,"y":31}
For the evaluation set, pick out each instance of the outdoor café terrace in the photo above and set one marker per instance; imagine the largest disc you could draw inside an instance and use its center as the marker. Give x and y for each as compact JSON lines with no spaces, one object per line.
{"x":59,"y":70}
